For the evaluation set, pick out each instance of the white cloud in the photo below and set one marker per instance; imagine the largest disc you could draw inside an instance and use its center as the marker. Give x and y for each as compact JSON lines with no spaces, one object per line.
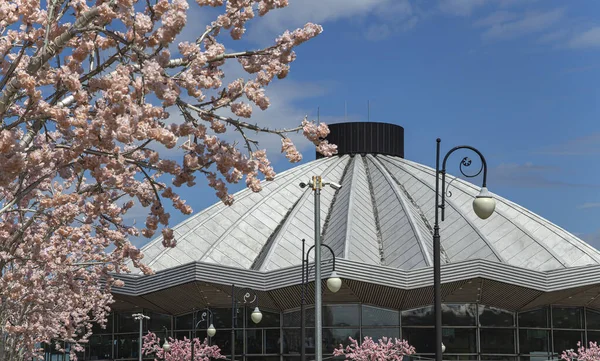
{"x":495,"y":18}
{"x":589,"y":205}
{"x":554,"y":36}
{"x":460,"y":7}
{"x":507,"y":3}
{"x":299,"y":12}
{"x":532,"y":22}
{"x":587,"y":39}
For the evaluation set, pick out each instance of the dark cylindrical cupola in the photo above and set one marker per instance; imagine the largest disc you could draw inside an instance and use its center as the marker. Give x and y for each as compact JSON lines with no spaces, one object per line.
{"x":367,"y":137}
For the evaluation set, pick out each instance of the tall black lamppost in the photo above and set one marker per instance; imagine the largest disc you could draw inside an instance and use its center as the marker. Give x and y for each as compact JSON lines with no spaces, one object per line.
{"x":249,"y":297}
{"x":483,"y":205}
{"x":334,"y":283}
{"x":207,"y":316}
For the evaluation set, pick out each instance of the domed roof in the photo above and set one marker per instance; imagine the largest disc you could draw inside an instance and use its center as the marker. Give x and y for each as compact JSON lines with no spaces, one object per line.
{"x":383,"y":215}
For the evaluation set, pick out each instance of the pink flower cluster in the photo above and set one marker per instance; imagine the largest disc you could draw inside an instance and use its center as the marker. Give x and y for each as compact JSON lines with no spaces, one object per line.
{"x":369,"y":350}
{"x":316,"y":134}
{"x":181,"y":350}
{"x":591,"y":353}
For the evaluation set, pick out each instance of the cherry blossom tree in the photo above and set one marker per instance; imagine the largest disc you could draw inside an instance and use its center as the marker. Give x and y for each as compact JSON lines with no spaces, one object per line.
{"x":369,"y":350}
{"x":181,"y":350}
{"x":582,"y":354}
{"x":92,"y":93}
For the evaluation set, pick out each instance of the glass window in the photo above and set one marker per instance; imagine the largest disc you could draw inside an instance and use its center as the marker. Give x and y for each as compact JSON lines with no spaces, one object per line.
{"x":341,"y":315}
{"x":593,"y":319}
{"x":291,"y":341}
{"x":272,"y":341}
{"x":100,"y":347}
{"x":157,"y":321}
{"x":421,"y":338}
{"x":534,"y":341}
{"x":418,"y":317}
{"x":202,"y":335}
{"x":375,"y":316}
{"x":254,"y":339}
{"x":378,"y":333}
{"x":183,"y":322}
{"x":262,"y":358}
{"x":222,"y":317}
{"x":495,"y":317}
{"x":333,"y":337}
{"x":458,"y":315}
{"x":127,"y":323}
{"x":127,"y":346}
{"x":181,"y":334}
{"x":566,"y":317}
{"x":292,"y":319}
{"x":498,"y":358}
{"x":593,"y":336}
{"x":535,"y":318}
{"x":497,"y":340}
{"x":223,"y":340}
{"x":269,"y":319}
{"x":565,"y":340}
{"x":460,"y":340}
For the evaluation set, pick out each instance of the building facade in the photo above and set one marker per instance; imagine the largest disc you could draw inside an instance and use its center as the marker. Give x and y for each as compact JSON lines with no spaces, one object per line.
{"x":471,"y":331}
{"x":514,"y":286}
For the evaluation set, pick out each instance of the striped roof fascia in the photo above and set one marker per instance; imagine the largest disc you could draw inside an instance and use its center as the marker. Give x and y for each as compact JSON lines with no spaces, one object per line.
{"x":544,"y":281}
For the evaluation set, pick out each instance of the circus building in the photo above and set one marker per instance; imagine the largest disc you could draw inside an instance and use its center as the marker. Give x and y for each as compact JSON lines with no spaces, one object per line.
{"x":514,"y":286}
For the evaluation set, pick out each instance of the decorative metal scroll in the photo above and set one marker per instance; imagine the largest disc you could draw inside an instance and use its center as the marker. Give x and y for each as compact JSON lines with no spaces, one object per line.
{"x":247,"y":295}
{"x":464,"y":163}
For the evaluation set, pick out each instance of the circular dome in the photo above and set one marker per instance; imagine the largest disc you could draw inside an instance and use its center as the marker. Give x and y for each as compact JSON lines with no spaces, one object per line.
{"x":383,"y":215}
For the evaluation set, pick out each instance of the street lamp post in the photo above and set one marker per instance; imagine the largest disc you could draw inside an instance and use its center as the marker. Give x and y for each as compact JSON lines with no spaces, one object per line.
{"x":166,"y":346}
{"x":256,"y":315}
{"x":483,"y":205}
{"x":317,"y":185}
{"x":140,"y":317}
{"x":207,"y":316}
{"x":334,"y":283}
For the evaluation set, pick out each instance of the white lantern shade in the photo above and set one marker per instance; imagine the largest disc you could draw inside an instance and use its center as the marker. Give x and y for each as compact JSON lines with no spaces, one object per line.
{"x":211,"y":330}
{"x":256,"y":315}
{"x":334,"y":283}
{"x":166,"y":346}
{"x":443,"y":348}
{"x":484,"y":204}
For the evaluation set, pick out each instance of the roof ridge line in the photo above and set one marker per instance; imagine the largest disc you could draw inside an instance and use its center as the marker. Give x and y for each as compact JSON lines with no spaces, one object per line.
{"x":455,"y":207}
{"x":420,"y":238}
{"x":350,"y":163}
{"x":375,"y":212}
{"x":500,"y":213}
{"x":289,"y":172}
{"x":266,"y":248}
{"x":246,"y":214}
{"x":543,"y":221}
{"x":302,"y":198}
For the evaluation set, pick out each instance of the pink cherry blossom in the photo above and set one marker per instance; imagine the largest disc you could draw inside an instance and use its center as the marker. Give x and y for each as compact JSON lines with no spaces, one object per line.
{"x":591,"y":353}
{"x":91,"y":94}
{"x":181,"y":350}
{"x":369,"y":350}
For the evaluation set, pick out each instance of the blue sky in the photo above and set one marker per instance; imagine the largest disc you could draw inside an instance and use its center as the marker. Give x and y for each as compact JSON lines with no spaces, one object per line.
{"x":517,"y":79}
